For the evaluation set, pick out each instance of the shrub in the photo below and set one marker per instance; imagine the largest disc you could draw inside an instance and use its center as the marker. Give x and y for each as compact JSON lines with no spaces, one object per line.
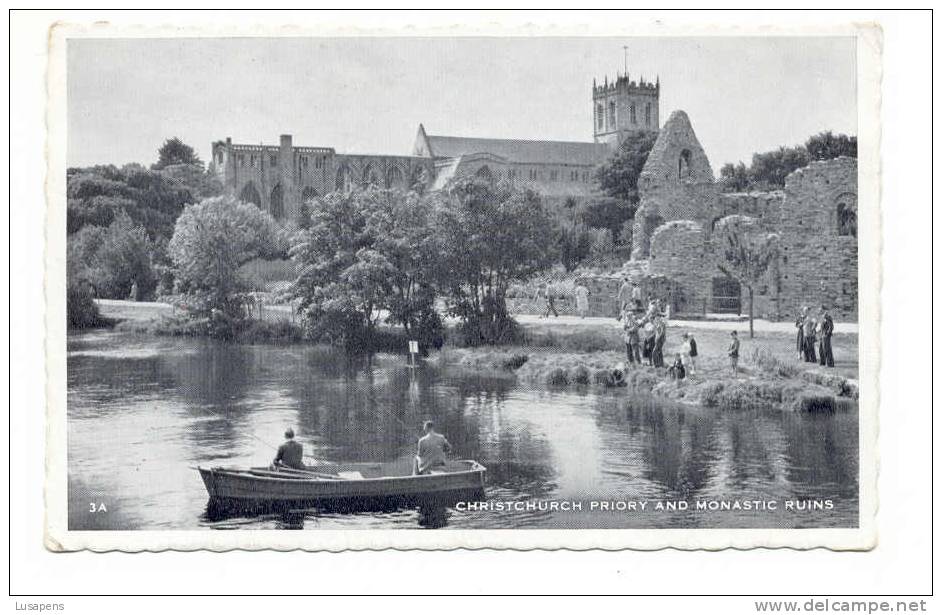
{"x":764,"y":359}
{"x":515,"y":361}
{"x":580,"y":375}
{"x":81,"y":310}
{"x":557,"y":377}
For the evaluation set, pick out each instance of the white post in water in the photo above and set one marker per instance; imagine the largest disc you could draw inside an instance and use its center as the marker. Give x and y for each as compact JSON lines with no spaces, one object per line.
{"x":413,"y":350}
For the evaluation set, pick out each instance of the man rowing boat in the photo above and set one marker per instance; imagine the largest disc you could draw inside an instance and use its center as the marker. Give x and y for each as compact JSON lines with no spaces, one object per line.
{"x":432,"y":449}
{"x":290,"y":454}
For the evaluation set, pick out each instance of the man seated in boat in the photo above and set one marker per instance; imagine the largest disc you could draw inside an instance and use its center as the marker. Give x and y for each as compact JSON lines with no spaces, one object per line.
{"x":290,"y":454}
{"x":432,"y":449}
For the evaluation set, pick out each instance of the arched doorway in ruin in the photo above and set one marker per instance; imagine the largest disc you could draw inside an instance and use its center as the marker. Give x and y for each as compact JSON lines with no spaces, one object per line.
{"x":726,"y":296}
{"x":250,"y":195}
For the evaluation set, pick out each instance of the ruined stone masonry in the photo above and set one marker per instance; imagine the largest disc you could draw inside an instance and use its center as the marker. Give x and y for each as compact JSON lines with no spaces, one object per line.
{"x":683,"y":214}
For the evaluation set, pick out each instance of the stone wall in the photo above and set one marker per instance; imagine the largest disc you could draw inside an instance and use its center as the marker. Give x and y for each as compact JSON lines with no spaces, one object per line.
{"x":765,"y":207}
{"x":819,"y":263}
{"x":679,"y":252}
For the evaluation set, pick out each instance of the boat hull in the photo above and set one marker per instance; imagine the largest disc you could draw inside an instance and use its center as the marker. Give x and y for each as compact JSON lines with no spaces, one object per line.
{"x":232,"y":490}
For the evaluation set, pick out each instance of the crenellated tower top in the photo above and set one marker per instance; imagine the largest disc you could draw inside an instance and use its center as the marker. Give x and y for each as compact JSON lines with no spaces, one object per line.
{"x":623,"y":106}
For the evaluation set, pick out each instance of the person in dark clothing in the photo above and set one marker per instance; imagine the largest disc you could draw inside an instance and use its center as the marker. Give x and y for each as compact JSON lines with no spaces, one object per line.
{"x":734,"y":351}
{"x":290,"y":454}
{"x":647,"y":350}
{"x":690,"y":354}
{"x":547,"y":292}
{"x":677,"y":370}
{"x":800,"y":325}
{"x":825,"y":330}
{"x":660,"y":336}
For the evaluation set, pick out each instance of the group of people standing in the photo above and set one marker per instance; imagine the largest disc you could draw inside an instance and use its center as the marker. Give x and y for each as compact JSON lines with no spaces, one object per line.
{"x":645,"y":333}
{"x":546,"y":295}
{"x":813,"y":340}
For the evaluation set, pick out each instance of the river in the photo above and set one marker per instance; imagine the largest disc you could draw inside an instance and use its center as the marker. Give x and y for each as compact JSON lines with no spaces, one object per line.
{"x":143,"y":410}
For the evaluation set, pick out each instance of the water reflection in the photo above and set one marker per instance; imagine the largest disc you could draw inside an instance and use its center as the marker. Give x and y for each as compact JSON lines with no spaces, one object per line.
{"x":143,"y":410}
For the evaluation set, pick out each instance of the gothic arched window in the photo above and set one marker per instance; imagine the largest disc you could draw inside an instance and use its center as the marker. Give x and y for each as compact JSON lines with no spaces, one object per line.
{"x":647,"y":114}
{"x":611,"y":114}
{"x":631,"y":112}
{"x":683,"y":165}
{"x":600,"y":116}
{"x":277,"y":203}
{"x":370,"y":177}
{"x":394,"y":178}
{"x":343,"y":178}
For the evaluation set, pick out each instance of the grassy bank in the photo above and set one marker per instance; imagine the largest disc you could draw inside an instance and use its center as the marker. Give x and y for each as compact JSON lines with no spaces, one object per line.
{"x":769,"y":374}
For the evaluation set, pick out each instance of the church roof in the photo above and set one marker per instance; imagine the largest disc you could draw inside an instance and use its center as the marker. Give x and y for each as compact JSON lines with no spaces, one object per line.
{"x":514,"y":150}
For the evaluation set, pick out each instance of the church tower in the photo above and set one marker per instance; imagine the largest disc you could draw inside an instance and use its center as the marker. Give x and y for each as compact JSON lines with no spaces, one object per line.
{"x":623,"y":107}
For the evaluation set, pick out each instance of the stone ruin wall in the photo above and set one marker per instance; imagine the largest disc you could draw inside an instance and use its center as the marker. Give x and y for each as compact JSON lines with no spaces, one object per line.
{"x":679,"y":252}
{"x":765,"y":207}
{"x":818,"y":264}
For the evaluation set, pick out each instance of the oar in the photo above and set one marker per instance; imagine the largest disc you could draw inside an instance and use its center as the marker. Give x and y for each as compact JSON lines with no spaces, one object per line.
{"x":287,"y":470}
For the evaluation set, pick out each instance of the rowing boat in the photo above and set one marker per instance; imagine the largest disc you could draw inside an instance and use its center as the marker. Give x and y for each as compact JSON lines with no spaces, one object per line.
{"x":351,"y":486}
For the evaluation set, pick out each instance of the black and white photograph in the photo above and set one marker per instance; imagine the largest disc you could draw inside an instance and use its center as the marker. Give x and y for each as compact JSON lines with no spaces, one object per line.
{"x":411,"y":290}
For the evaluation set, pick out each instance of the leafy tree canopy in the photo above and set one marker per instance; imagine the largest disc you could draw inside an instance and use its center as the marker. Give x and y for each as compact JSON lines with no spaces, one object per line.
{"x":211,"y":240}
{"x":152,"y":199}
{"x":618,"y":177}
{"x":492,"y":235}
{"x":173,"y":152}
{"x":769,"y":169}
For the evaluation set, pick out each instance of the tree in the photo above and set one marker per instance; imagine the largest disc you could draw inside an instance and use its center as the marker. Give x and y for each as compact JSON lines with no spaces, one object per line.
{"x":747,"y":254}
{"x":769,"y":169}
{"x":491,"y":235}
{"x":400,"y":225}
{"x":340,"y":279}
{"x":200,"y":183}
{"x":113,"y":260}
{"x":574,"y":243}
{"x":735,"y":177}
{"x":152,"y":199}
{"x":174,"y":151}
{"x":618,"y":177}
{"x":826,"y":145}
{"x":606,"y":213}
{"x":211,"y":240}
{"x":364,"y":253}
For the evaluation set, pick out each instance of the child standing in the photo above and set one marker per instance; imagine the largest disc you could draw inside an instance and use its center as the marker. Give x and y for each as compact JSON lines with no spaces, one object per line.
{"x":677,"y":371}
{"x":734,"y":351}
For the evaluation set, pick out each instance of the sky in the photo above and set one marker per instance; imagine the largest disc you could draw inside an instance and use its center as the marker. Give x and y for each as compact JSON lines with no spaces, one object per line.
{"x":368,"y":95}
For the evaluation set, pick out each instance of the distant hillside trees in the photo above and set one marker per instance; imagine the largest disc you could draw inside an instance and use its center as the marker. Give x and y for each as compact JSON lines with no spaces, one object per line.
{"x":769,"y":169}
